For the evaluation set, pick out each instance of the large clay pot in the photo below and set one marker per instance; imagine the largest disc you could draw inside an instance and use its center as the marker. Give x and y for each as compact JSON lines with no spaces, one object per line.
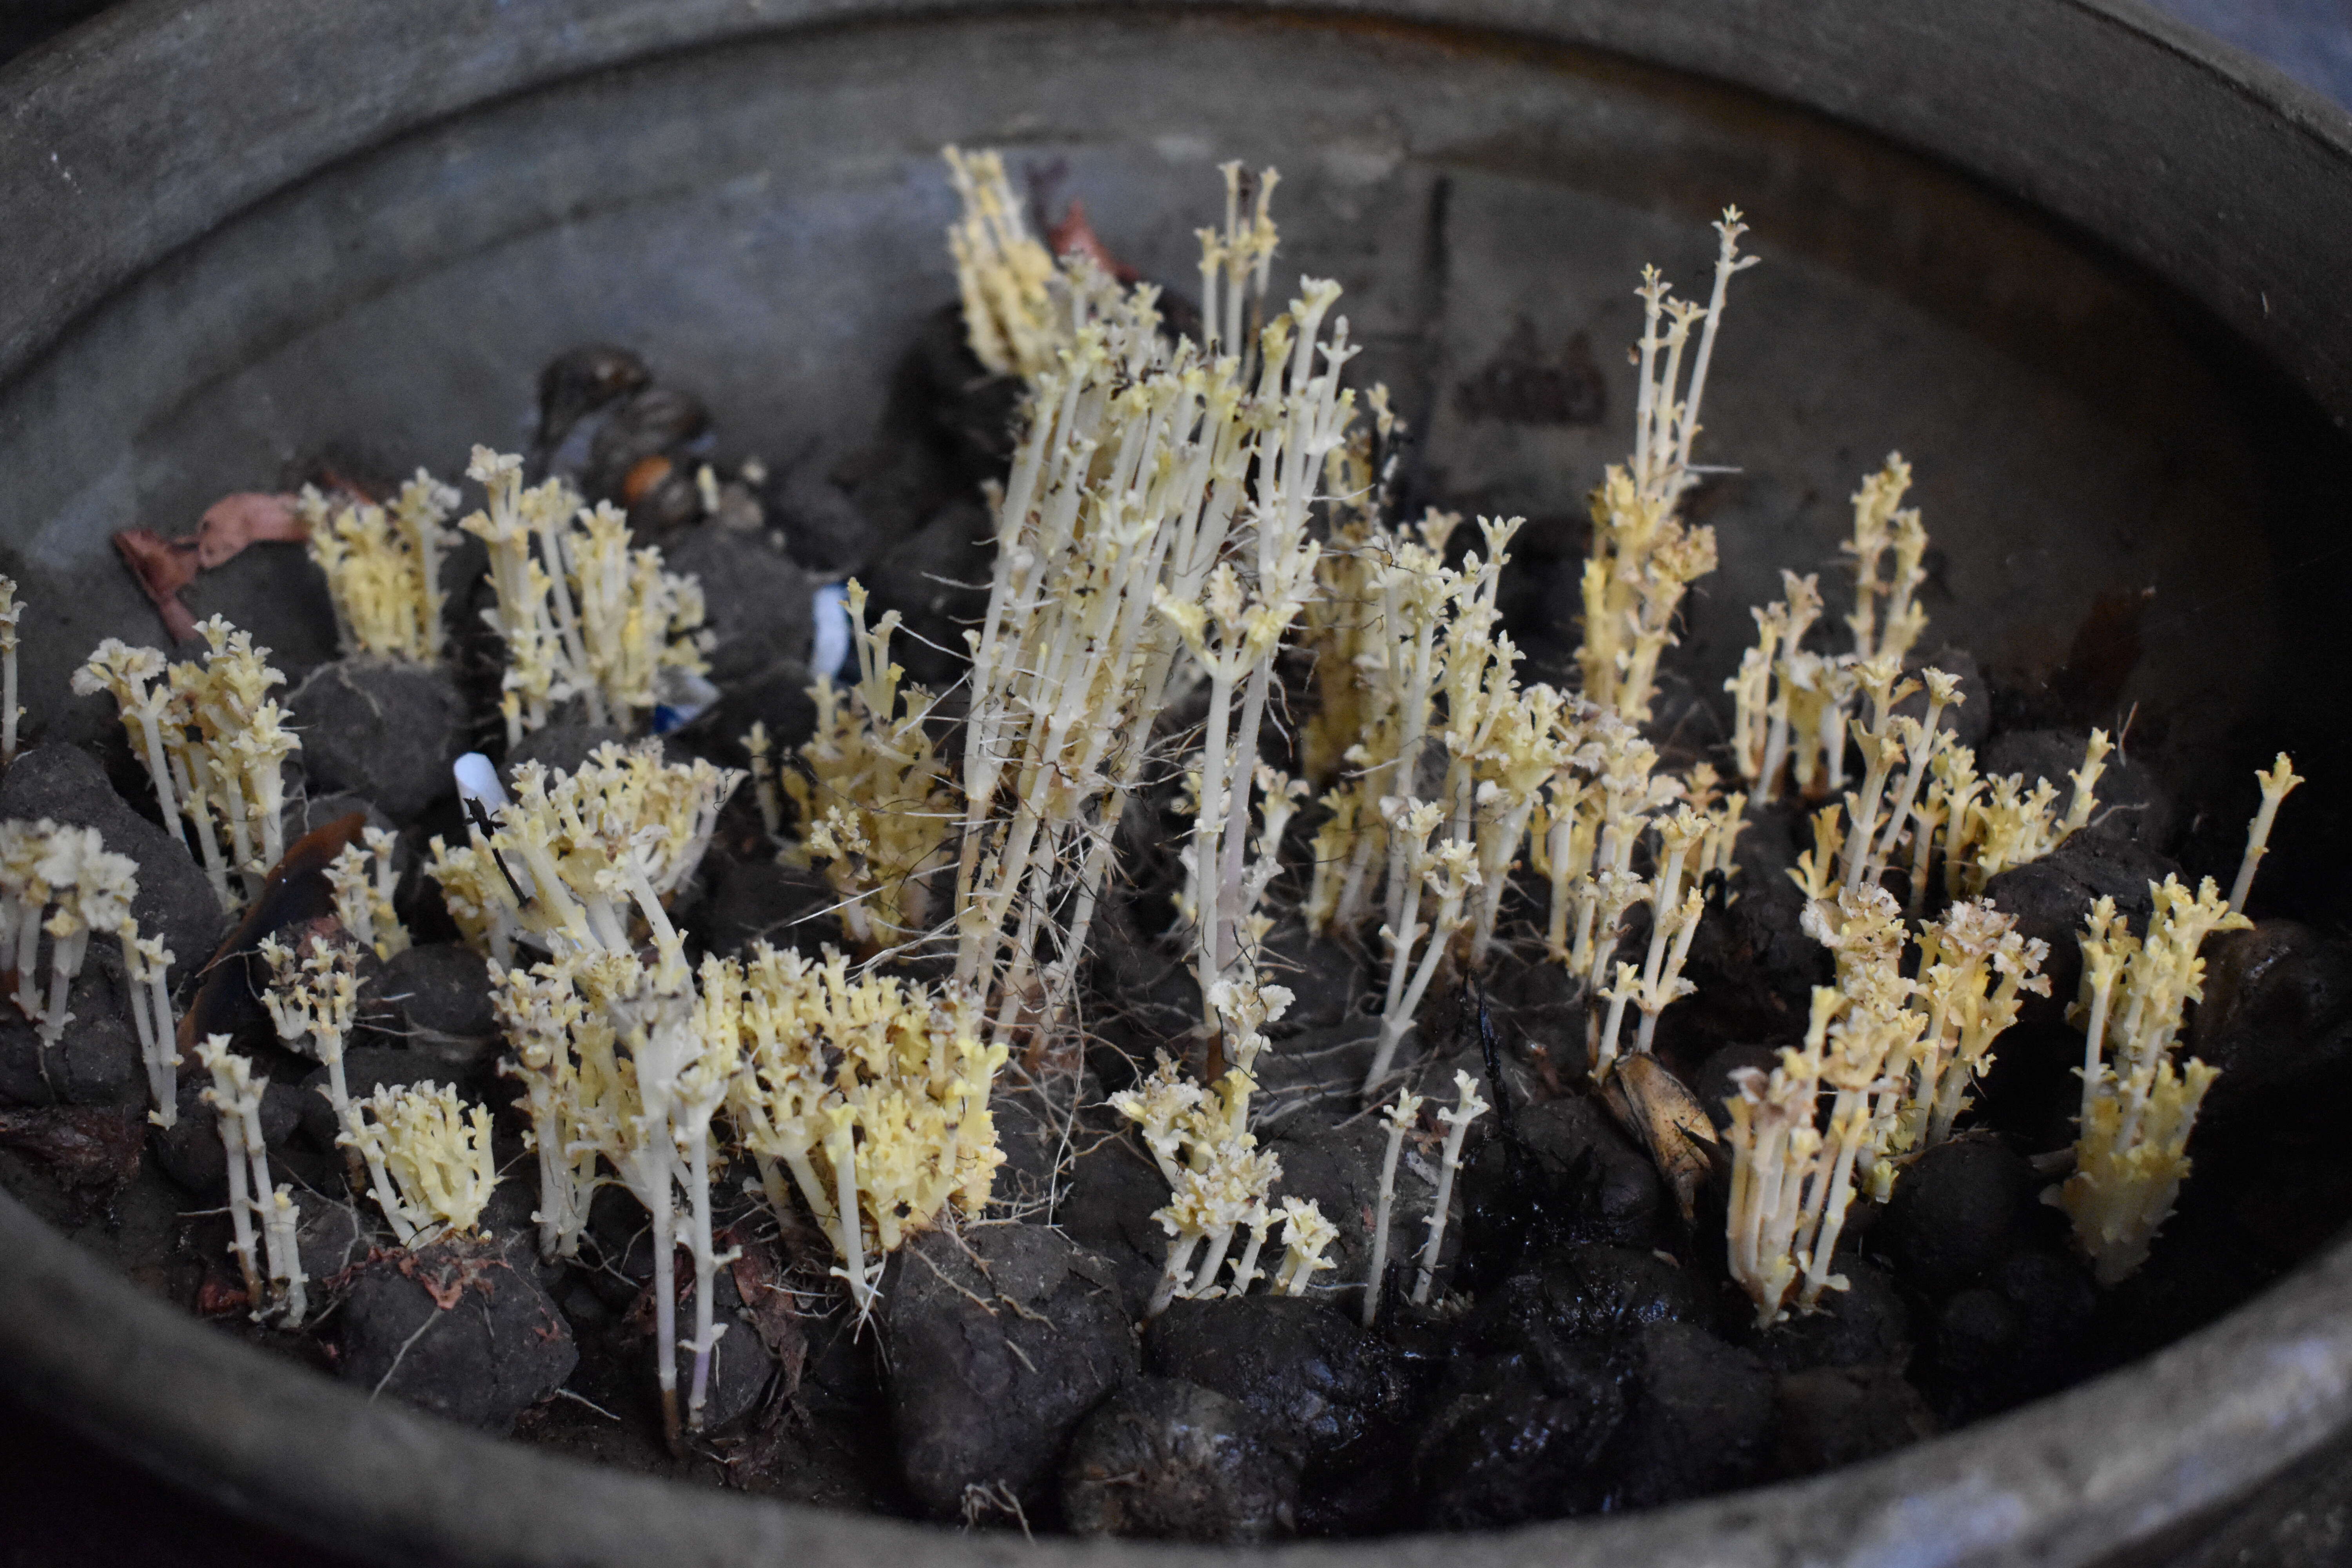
{"x":2084,"y":268}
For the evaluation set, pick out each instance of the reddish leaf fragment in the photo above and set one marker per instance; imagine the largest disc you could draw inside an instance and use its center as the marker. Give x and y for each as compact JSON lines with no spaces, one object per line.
{"x":760,"y":1280}
{"x":250,"y":517}
{"x":164,"y":566}
{"x":1074,"y":236}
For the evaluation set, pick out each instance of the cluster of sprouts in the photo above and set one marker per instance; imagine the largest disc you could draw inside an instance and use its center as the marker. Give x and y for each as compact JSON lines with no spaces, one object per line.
{"x":1221,"y":1182}
{"x":874,"y":802}
{"x":567,"y":863}
{"x":312,"y":999}
{"x":428,"y":1158}
{"x":364,"y":880}
{"x":2131,"y":1147}
{"x":1790,"y":705}
{"x":383,"y":567}
{"x":236,"y":1097}
{"x":65,"y":884}
{"x":584,"y":614}
{"x":214,"y":743}
{"x":1644,"y":557}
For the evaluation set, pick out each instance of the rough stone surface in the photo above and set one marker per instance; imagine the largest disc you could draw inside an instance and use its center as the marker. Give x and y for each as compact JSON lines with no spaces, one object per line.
{"x":386,"y":729}
{"x":994,"y":1356}
{"x":822,"y":527}
{"x":2275,"y":1000}
{"x":191,"y":1152}
{"x":759,"y":901}
{"x":435,"y":1000}
{"x":65,"y":785}
{"x":1568,"y":1176}
{"x":1833,"y":1416}
{"x":1322,"y":1384}
{"x":1952,"y":1211}
{"x":756,"y":599}
{"x":95,"y":1060}
{"x":454,"y":1330}
{"x":1168,"y":1460}
{"x":1518,"y":1436}
{"x":1592,"y":1291}
{"x":1866,"y":1324}
{"x":1699,"y":1424}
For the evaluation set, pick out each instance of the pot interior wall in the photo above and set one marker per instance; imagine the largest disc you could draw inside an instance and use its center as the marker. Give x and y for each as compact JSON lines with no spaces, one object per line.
{"x":765,"y":224}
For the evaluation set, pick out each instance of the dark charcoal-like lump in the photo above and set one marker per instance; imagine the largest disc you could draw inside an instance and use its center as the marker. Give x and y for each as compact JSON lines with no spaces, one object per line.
{"x":497,"y":1349}
{"x":1322,"y":1384}
{"x":994,"y":1357}
{"x":1170,"y":1460}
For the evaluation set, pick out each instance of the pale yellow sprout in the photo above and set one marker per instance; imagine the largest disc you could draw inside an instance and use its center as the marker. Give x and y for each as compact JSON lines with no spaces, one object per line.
{"x":624,"y":829}
{"x":1163,"y":1108}
{"x":1400,"y":1117}
{"x":1881,"y":523}
{"x":363,"y":882}
{"x":2275,"y":783}
{"x":312,"y":999}
{"x":873,"y":1092}
{"x":383,"y":568}
{"x":63,"y":882}
{"x":214,"y":741}
{"x":1201,"y":1140}
{"x":12,"y":612}
{"x":428,"y":1159}
{"x":1449,"y":870}
{"x":1775,"y":1154}
{"x":2004,"y":823}
{"x":583,"y":614}
{"x":1137,"y":466}
{"x":1467,"y":1106}
{"x":543,"y":1017}
{"x":1006,"y":279}
{"x":1643,"y":555}
{"x":875,"y":803}
{"x":1306,"y":1235}
{"x":130,"y":675}
{"x":1213,"y":1198}
{"x":1973,"y":967}
{"x":1239,"y":257}
{"x":1676,"y":906}
{"x":236,"y":1096}
{"x":2138,"y":1108}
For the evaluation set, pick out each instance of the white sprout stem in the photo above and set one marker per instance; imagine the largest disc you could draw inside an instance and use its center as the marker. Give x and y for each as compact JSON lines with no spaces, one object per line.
{"x":2094,"y":1036}
{"x":706,"y":1270}
{"x":1220,"y":1242}
{"x":1207,"y":840}
{"x":848,"y":1237}
{"x":1654,"y":1002}
{"x":281,"y":1235}
{"x":8,"y":709}
{"x":1173,"y":1273}
{"x":1381,"y":1224}
{"x":1930,"y":739}
{"x":1457,"y":1122}
{"x":2275,"y":786}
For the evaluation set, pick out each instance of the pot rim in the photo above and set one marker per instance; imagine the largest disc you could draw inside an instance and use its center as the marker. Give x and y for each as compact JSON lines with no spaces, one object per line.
{"x":120,"y":148}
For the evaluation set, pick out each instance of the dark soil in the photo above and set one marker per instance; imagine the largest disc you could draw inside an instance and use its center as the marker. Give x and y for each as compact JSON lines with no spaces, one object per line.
{"x":1583,"y":1348}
